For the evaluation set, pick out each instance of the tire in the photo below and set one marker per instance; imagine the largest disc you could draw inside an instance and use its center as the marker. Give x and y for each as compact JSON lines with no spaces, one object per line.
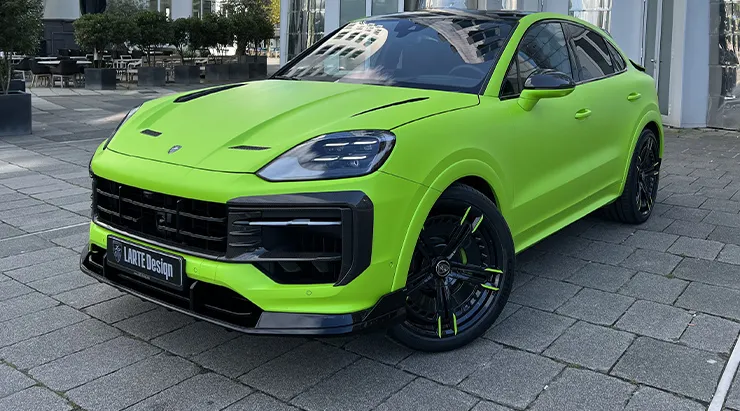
{"x":454,"y":294}
{"x":635,"y":205}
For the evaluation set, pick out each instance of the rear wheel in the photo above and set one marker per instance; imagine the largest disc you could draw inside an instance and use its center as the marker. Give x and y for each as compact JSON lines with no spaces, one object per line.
{"x":635,"y":205}
{"x":460,"y":274}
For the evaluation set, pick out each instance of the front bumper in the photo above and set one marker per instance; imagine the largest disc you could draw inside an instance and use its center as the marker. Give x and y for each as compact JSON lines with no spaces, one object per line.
{"x":199,"y":303}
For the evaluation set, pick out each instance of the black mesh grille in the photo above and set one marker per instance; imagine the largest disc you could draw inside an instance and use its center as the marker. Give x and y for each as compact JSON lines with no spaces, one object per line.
{"x":189,"y":224}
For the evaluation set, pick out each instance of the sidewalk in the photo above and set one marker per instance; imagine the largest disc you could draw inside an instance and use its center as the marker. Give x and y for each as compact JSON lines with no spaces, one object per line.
{"x":603,"y":316}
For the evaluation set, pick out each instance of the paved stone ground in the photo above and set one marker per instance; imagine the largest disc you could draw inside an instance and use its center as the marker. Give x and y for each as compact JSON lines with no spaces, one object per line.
{"x":603,"y":317}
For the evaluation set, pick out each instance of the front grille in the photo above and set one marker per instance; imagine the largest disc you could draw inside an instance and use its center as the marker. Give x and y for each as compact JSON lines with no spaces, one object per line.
{"x":185,"y":223}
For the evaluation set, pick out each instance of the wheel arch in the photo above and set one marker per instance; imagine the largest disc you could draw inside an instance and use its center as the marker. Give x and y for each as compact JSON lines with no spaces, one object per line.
{"x":472,"y":172}
{"x":652,"y":121}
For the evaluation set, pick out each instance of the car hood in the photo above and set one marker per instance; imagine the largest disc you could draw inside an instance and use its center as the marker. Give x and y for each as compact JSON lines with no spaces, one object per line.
{"x":242,"y":128}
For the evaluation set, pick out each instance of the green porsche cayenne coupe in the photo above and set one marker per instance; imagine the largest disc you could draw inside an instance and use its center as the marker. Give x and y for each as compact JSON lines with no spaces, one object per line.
{"x":386,"y":176}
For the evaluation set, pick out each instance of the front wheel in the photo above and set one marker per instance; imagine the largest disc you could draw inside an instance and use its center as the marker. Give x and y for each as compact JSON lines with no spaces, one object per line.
{"x":460,"y":275}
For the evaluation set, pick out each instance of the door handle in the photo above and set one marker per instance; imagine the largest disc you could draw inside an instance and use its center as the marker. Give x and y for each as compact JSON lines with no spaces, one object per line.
{"x":634,"y":96}
{"x":583,"y":113}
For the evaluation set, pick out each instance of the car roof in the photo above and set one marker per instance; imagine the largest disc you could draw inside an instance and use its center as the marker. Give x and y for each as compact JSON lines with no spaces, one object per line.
{"x":470,"y":14}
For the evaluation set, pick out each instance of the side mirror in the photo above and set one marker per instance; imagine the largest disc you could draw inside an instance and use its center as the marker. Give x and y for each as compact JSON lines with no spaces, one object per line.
{"x":545,"y":84}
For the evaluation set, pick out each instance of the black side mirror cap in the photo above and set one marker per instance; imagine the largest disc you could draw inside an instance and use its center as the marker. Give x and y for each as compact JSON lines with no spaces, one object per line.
{"x":549,"y":80}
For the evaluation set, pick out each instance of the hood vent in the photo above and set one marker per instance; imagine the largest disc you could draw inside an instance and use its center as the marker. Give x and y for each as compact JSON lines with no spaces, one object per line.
{"x":249,"y":148}
{"x":202,"y":93}
{"x":397,"y":103}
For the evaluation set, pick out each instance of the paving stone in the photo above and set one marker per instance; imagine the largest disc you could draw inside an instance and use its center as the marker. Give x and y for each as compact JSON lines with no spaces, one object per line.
{"x":605,"y":253}
{"x":126,"y":386}
{"x":730,"y":254}
{"x":563,"y":244}
{"x":293,"y":372}
{"x":37,"y":323}
{"x":694,"y":247}
{"x":590,"y":346}
{"x":711,"y":333}
{"x":489,"y":406}
{"x":195,"y":338}
{"x":12,"y":381}
{"x":682,"y":370}
{"x":378,"y":346}
{"x":717,"y":193}
{"x":11,"y":289}
{"x":596,"y":306}
{"x":646,"y":286}
{"x":120,"y":308}
{"x":709,"y":272}
{"x":154,"y":323}
{"x":584,"y":390}
{"x":509,"y":309}
{"x":512,"y":377}
{"x":712,"y":300}
{"x":61,"y":283}
{"x":733,"y":398}
{"x":423,"y":394}
{"x":7,"y":231}
{"x":260,"y":402}
{"x":650,"y":240}
{"x":201,"y":392}
{"x":728,"y":235}
{"x":245,"y":353}
{"x":690,"y":229}
{"x":555,"y":266}
{"x":647,"y":398}
{"x":53,"y":256}
{"x":48,"y":347}
{"x":529,"y":329}
{"x":520,"y":279}
{"x":21,"y":245}
{"x":656,"y":223}
{"x":722,"y":218}
{"x":652,"y":262}
{"x":727,"y":206}
{"x":611,"y":232}
{"x":34,"y":399}
{"x":686,"y":213}
{"x":451,"y":367}
{"x":88,"y":295}
{"x":602,"y":277}
{"x":544,"y":294}
{"x":91,"y":363}
{"x":655,"y":320}
{"x":33,"y":272}
{"x":361,"y":386}
{"x":15,"y":211}
{"x":685,"y":200}
{"x":24,"y":304}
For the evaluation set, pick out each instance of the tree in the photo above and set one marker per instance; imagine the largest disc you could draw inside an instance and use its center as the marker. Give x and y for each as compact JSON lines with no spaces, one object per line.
{"x":125,"y":7}
{"x":251,"y":21}
{"x":217,"y":32}
{"x":96,"y":32}
{"x":20,"y":32}
{"x":274,"y":12}
{"x":181,"y":36}
{"x":152,"y":30}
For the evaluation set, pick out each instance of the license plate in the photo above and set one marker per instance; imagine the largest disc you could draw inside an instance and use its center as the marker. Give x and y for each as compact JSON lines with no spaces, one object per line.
{"x":143,"y":262}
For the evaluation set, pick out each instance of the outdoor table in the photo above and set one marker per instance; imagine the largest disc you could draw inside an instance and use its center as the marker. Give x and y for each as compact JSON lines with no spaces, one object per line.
{"x":55,"y":62}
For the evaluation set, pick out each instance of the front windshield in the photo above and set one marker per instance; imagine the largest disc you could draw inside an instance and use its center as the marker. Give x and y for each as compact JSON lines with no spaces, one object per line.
{"x":429,"y":51}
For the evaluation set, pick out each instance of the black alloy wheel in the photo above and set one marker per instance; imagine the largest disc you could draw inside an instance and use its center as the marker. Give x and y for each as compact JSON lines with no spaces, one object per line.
{"x":460,"y":274}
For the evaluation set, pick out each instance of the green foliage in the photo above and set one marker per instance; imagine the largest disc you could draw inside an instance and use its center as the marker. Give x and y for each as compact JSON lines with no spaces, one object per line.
{"x":217,"y":32}
{"x":125,"y":7}
{"x":96,"y":32}
{"x":20,"y":32}
{"x":181,"y":29}
{"x":152,"y":30}
{"x":251,"y":21}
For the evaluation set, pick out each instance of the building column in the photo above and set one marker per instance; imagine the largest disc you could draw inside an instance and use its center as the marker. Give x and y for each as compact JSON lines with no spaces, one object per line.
{"x":627,"y":26}
{"x":689,"y":82}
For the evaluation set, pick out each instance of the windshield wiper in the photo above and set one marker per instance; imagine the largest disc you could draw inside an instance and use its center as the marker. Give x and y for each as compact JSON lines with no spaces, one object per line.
{"x":294,"y":78}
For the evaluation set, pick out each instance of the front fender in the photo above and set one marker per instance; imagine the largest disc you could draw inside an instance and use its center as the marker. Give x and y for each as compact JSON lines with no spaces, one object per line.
{"x":438,"y":182}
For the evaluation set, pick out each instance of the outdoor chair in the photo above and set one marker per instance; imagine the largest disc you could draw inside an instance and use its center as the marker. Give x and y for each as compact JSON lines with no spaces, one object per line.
{"x":66,"y":70}
{"x":40,"y":73}
{"x":132,"y":69}
{"x":23,"y":67}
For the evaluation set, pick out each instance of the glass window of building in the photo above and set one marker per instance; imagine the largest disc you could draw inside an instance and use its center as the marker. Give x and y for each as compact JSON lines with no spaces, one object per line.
{"x":380,"y":7}
{"x":596,"y":12}
{"x":523,"y":5}
{"x":350,"y":10}
{"x":305,"y":24}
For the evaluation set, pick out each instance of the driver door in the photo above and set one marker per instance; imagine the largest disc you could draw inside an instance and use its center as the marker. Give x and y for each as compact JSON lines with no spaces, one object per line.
{"x":545,"y":146}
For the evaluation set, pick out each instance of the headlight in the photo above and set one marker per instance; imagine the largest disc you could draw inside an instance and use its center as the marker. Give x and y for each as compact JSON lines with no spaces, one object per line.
{"x":335,"y":155}
{"x":125,"y":119}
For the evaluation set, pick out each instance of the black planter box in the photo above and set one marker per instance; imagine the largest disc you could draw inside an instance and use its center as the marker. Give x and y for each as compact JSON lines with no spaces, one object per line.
{"x":245,"y":59}
{"x":260,"y":60}
{"x":257,"y":71}
{"x":216,"y":73}
{"x":239,"y":71}
{"x":100,"y":79}
{"x":151,"y":76}
{"x":15,"y":114}
{"x":18,"y":85}
{"x":187,"y":74}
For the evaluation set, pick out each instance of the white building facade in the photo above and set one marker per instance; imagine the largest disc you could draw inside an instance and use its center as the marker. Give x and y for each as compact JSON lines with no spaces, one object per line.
{"x":691,"y":47}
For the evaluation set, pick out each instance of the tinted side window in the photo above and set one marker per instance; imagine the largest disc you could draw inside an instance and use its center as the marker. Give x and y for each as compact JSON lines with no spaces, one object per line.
{"x":543,"y":47}
{"x":593,"y":56}
{"x":619,"y":63}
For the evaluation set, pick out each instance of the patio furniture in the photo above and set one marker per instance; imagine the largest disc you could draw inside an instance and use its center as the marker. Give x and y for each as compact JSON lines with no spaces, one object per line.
{"x":132,"y":69}
{"x":40,"y":72}
{"x":65,"y":71}
{"x":23,"y":66}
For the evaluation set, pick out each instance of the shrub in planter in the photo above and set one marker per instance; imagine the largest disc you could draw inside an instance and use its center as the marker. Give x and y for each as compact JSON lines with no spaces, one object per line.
{"x":216,"y":73}
{"x":184,"y":38}
{"x":97,"y":32}
{"x":187,"y":74}
{"x":152,"y":30}
{"x":239,"y":71}
{"x":151,"y":76}
{"x":100,"y":79}
{"x":20,"y":32}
